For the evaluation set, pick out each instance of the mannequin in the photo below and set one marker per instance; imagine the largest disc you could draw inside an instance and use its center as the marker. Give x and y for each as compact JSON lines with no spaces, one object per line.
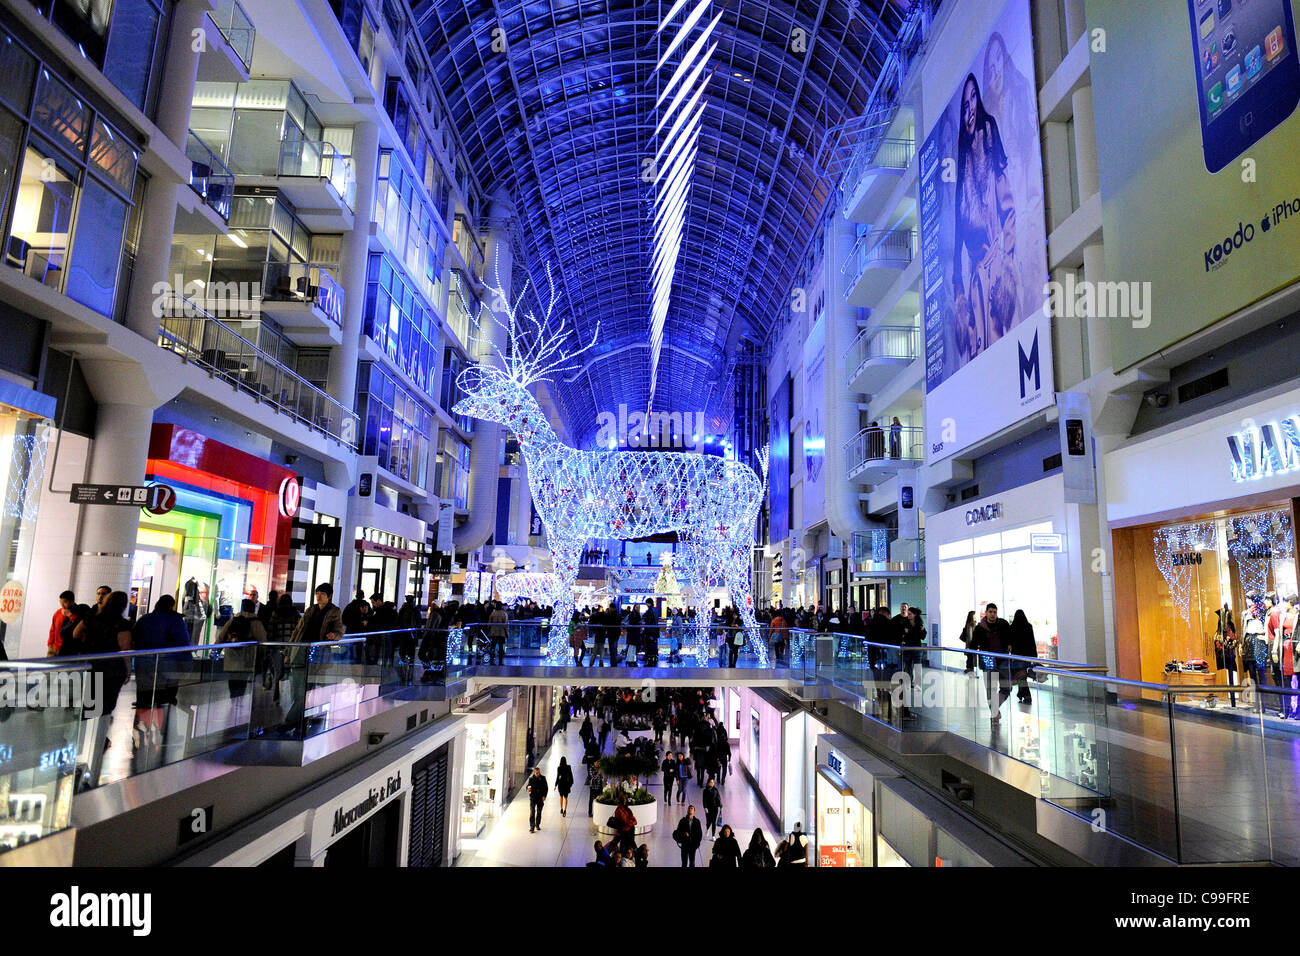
{"x":1225,"y":647}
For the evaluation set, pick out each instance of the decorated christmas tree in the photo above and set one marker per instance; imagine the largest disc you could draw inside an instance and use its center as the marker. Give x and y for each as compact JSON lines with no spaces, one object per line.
{"x":667,"y":582}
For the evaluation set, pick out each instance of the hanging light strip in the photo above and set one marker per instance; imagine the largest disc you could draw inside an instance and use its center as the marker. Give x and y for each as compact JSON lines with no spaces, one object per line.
{"x":678,"y":148}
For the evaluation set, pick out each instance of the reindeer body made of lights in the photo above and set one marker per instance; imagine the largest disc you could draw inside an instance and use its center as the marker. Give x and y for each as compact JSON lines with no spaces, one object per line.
{"x":712,"y":503}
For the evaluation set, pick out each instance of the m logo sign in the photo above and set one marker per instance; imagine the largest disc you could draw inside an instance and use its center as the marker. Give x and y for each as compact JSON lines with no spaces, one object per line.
{"x":1030,"y":366}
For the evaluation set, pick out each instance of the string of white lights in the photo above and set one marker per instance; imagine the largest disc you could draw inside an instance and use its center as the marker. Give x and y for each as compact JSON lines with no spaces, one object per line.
{"x":677,"y":150}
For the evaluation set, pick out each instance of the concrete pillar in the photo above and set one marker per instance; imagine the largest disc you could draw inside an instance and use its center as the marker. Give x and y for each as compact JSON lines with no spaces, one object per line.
{"x":158,"y":213}
{"x":1076,"y":20}
{"x":1085,"y":143}
{"x":106,"y":538}
{"x":354,"y":258}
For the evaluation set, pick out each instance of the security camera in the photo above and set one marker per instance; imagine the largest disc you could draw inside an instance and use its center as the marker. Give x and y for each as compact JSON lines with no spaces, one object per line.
{"x":290,"y":459}
{"x":1157,"y":399}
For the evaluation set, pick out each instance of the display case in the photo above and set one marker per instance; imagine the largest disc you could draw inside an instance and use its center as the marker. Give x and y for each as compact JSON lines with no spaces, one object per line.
{"x":483,"y":789}
{"x":843,"y":824}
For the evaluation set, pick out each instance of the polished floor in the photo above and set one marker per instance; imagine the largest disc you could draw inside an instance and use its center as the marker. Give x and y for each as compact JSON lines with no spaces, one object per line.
{"x":567,"y":841}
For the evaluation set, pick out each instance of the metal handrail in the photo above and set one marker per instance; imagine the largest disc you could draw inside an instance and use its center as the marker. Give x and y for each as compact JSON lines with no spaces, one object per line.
{"x":877,"y":444}
{"x":304,"y":282}
{"x":237,"y":27}
{"x":878,"y":245}
{"x":883,"y":341}
{"x":318,"y":159}
{"x":196,"y":336}
{"x":210,"y":178}
{"x":883,"y":153}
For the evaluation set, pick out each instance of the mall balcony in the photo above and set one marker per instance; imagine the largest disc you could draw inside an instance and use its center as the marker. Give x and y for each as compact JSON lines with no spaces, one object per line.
{"x":874,"y":173}
{"x":273,"y":142}
{"x":878,"y":354}
{"x":874,"y":454}
{"x":469,"y":247}
{"x":200,"y":338}
{"x":210,"y":178}
{"x":306,"y":300}
{"x":880,"y":552}
{"x":876,"y":262}
{"x":227,"y":56}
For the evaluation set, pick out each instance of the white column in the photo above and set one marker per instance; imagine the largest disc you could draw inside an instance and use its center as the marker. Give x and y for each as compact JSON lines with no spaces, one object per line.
{"x":354,"y":257}
{"x":107,"y":534}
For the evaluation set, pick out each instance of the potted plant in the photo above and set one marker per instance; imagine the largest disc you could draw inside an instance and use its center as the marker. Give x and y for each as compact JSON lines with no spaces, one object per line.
{"x":627,"y":775}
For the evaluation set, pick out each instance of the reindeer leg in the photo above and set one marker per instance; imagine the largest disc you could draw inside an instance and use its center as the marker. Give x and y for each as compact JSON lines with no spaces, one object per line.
{"x":737,"y":571}
{"x":698,"y":595}
{"x":565,"y":553}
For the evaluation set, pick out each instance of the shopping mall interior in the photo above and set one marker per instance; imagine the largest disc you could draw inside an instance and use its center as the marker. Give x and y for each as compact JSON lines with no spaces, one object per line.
{"x":420,"y":420}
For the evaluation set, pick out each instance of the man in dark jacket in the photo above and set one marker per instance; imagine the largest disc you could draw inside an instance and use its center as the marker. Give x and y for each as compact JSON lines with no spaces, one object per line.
{"x":701,"y":744}
{"x":433,"y":645}
{"x":355,"y":614}
{"x":993,"y":635}
{"x":712,"y":800}
{"x":160,"y":628}
{"x":689,"y":835}
{"x":537,"y":790}
{"x":669,"y":768}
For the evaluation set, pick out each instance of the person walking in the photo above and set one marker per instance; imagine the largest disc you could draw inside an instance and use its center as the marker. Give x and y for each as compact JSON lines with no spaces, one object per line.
{"x":683,"y":775}
{"x":796,"y":851}
{"x":604,"y":733}
{"x":688,"y":836}
{"x":563,"y":784}
{"x":992,"y":637}
{"x":724,"y":756}
{"x":669,"y":768}
{"x":726,"y":851}
{"x":537,"y":790}
{"x":966,"y":636}
{"x":1023,"y":644}
{"x":498,"y":625}
{"x":701,"y":742}
{"x":241,"y":628}
{"x":712,"y":800}
{"x":613,"y":624}
{"x":757,"y":855}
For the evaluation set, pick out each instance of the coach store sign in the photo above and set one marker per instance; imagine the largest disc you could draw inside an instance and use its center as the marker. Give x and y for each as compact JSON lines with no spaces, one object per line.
{"x":989,"y":512}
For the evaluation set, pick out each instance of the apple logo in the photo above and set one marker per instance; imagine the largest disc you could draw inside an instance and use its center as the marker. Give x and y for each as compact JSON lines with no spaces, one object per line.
{"x":1263,"y":224}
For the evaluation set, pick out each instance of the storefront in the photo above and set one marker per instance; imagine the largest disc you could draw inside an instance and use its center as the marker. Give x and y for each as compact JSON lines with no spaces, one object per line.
{"x":25,"y":429}
{"x":485,"y":788}
{"x":1202,"y":523}
{"x":227,"y":535}
{"x":775,"y":747}
{"x":1013,"y":550}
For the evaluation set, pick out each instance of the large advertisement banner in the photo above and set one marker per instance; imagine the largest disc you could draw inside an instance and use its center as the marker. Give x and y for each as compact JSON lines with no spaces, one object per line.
{"x":1200,"y":183}
{"x":778,"y":482}
{"x":988,"y":342}
{"x":814,"y":436}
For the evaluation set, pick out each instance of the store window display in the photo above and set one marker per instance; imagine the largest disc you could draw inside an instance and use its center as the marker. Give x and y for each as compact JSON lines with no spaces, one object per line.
{"x":1210,"y":598}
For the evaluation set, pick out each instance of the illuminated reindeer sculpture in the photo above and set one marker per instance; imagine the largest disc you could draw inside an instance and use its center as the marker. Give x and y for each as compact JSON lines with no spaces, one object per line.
{"x":711,"y":502}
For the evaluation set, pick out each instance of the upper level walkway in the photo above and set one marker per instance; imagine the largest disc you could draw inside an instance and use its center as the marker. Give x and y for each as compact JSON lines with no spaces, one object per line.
{"x":1148,"y":767}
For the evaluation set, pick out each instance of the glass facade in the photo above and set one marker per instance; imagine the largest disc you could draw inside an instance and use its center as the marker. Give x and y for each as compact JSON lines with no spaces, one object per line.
{"x":398,"y":426}
{"x":64,"y":172}
{"x":400,"y":322}
{"x":451,"y":476}
{"x":122,"y":37}
{"x":452,"y":366}
{"x":406,"y":221}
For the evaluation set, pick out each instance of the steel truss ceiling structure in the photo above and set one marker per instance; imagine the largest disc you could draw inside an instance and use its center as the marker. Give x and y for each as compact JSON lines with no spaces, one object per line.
{"x":555,"y":102}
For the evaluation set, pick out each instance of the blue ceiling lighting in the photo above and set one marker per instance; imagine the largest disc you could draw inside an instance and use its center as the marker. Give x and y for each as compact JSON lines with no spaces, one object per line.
{"x":567,"y":119}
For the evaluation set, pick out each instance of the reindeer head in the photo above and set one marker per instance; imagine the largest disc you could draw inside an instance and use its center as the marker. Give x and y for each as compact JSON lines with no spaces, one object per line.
{"x":495,"y":396}
{"x":534,"y":350}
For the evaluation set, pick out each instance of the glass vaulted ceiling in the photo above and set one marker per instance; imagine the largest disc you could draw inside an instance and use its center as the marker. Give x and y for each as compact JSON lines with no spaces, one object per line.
{"x":563,"y":119}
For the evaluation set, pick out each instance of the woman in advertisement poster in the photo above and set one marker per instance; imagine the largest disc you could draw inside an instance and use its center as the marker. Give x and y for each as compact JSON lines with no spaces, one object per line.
{"x":986,"y":293}
{"x":1008,"y":95}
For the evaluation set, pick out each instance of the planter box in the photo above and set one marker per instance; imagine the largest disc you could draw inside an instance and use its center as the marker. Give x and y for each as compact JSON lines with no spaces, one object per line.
{"x":647,"y":815}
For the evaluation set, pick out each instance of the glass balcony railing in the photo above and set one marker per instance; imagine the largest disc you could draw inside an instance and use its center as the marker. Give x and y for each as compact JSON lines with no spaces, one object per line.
{"x":237,"y":28}
{"x":882,"y":153}
{"x":319,"y":160}
{"x":209,"y":176}
{"x":186,"y":329}
{"x":879,"y":247}
{"x":305,"y":282}
{"x":885,"y":342}
{"x":881,"y":443}
{"x":881,"y":549}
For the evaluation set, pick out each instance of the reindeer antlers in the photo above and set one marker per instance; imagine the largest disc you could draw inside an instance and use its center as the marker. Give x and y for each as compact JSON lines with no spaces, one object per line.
{"x":536,"y":345}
